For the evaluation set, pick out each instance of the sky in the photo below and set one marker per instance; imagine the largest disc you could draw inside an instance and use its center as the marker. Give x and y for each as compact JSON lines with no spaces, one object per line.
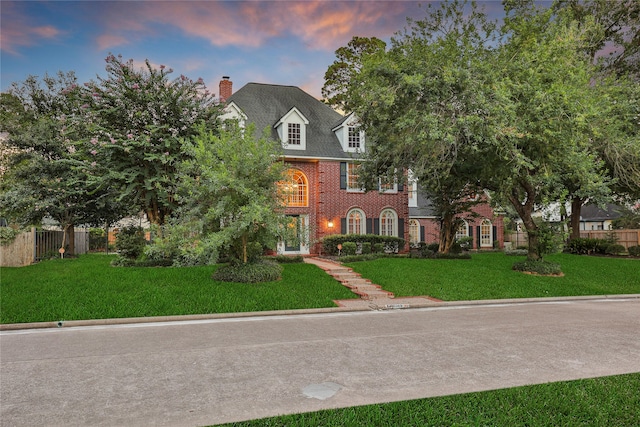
{"x":275,"y":42}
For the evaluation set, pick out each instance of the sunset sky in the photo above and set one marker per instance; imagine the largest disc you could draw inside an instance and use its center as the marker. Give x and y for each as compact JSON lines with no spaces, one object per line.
{"x":279,"y":42}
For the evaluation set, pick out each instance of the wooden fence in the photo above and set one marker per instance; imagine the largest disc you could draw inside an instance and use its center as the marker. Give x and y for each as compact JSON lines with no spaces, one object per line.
{"x":625,"y":238}
{"x":35,"y":245}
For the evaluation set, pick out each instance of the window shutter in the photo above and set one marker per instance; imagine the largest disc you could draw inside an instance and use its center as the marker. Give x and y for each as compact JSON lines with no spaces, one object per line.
{"x":495,"y":234}
{"x":478,"y":235}
{"x":369,"y":226}
{"x":376,"y":226}
{"x":422,"y":233}
{"x":343,"y":225}
{"x":343,"y":175}
{"x":400,"y":186}
{"x":401,"y":228}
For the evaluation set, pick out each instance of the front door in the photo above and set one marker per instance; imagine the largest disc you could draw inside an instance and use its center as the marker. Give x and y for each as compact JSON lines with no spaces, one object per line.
{"x":299,"y":244}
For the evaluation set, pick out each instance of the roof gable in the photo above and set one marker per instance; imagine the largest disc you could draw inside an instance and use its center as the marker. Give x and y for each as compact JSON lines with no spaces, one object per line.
{"x":266,"y":105}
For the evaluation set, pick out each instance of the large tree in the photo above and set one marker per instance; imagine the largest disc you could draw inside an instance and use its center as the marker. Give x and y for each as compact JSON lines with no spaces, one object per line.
{"x":138,"y":119}
{"x":45,"y":175}
{"x":229,"y":186}
{"x":425,"y":105}
{"x":613,"y":43}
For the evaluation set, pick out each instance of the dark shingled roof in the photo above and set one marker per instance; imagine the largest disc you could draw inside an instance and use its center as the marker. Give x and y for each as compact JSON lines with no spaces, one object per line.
{"x":596,"y":213}
{"x":265,"y":104}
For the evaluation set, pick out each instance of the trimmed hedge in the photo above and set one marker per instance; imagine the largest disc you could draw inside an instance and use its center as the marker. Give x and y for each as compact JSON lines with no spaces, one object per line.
{"x":255,"y":272}
{"x":634,"y":250}
{"x":389,"y":243}
{"x":288,"y":259}
{"x":542,"y":267}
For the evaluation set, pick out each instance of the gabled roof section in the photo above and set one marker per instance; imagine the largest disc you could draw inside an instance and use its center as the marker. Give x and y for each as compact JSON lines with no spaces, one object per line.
{"x":232,"y":110}
{"x":592,"y":212}
{"x":291,"y":112}
{"x":265,"y":105}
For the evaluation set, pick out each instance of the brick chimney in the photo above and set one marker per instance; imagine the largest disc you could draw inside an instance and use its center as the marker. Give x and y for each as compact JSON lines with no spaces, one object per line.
{"x":225,"y":89}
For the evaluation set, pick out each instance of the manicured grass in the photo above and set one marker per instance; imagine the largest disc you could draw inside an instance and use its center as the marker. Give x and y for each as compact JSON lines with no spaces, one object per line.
{"x":89,"y":288}
{"x":489,"y":276}
{"x":607,"y":401}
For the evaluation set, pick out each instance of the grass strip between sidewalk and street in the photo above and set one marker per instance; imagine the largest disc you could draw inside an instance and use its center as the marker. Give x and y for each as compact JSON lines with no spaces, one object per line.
{"x":605,"y":401}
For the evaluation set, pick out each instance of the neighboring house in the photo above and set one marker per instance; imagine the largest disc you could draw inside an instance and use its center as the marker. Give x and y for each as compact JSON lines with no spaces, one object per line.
{"x":485,"y":227}
{"x":593,"y":217}
{"x":320,"y":146}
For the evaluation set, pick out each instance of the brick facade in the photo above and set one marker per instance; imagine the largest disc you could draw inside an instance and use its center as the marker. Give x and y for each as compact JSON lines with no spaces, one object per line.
{"x":431,"y":229}
{"x":329,"y":204}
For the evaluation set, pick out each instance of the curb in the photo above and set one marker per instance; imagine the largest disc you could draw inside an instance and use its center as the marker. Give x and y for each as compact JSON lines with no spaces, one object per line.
{"x":177,"y":318}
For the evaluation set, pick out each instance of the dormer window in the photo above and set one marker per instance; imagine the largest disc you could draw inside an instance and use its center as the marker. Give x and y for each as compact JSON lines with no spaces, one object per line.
{"x":294,"y":134}
{"x":292,"y":130}
{"x":350,"y":135}
{"x":354,"y":138}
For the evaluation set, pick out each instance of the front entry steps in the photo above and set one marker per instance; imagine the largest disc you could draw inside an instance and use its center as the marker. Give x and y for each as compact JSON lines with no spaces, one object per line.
{"x":371,"y":295}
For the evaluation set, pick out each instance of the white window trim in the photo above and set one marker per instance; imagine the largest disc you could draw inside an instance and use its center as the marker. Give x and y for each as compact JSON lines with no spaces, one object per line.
{"x":412,"y":183}
{"x":282,"y":127}
{"x":342,"y":133}
{"x":350,"y":188}
{"x":394,"y":228}
{"x":483,"y":244}
{"x":391,"y":190}
{"x":466,"y":230}
{"x":363,"y":221}
{"x":413,"y":224}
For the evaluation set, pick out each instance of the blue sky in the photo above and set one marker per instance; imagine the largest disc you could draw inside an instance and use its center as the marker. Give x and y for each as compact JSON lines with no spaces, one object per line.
{"x":278,"y":42}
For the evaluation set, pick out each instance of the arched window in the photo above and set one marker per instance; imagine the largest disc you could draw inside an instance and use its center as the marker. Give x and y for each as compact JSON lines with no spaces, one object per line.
{"x":414,"y":231}
{"x":295,"y":188}
{"x":388,"y":223}
{"x":486,"y":234}
{"x":463,"y":230}
{"x":356,"y":222}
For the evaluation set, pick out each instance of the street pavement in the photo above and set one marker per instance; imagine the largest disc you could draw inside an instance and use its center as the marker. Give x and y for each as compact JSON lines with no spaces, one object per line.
{"x":208,"y":371}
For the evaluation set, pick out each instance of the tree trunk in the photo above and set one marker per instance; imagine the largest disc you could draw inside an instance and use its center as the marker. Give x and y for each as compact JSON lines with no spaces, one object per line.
{"x":447,"y":234}
{"x":576,"y":208}
{"x":525,"y":211}
{"x":244,"y":248}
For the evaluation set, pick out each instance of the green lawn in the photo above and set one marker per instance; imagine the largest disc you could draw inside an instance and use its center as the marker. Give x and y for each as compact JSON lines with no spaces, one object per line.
{"x":489,"y":276}
{"x":607,"y":401}
{"x":89,"y":288}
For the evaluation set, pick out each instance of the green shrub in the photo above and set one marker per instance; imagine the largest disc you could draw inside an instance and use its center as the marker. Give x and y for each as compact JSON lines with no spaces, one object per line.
{"x":97,"y":239}
{"x":349,"y":248}
{"x":8,"y":235}
{"x":365,"y":248}
{"x":615,"y":249}
{"x":390,"y":243}
{"x":130,"y":242}
{"x":288,"y":259}
{"x":433,"y":247}
{"x":254,"y":272}
{"x":634,"y":251}
{"x":378,"y":248}
{"x":465,"y":242}
{"x":585,"y":246}
{"x":546,"y":268}
{"x":517,"y":252}
{"x":456,"y":248}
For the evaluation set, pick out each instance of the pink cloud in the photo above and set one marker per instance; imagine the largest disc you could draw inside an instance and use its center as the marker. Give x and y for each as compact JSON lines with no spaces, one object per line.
{"x":321,"y":25}
{"x":18,"y":30}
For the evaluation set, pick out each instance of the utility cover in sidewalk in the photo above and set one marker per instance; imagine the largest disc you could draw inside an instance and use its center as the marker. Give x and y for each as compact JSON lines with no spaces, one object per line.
{"x":321,"y":391}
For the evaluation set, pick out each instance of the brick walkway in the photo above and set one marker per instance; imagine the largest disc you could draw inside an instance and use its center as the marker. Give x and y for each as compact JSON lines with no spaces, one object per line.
{"x":371,"y":295}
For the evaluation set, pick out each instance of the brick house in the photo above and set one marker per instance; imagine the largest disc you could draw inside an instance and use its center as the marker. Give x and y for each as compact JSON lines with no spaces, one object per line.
{"x":486,"y":227}
{"x":320,"y":146}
